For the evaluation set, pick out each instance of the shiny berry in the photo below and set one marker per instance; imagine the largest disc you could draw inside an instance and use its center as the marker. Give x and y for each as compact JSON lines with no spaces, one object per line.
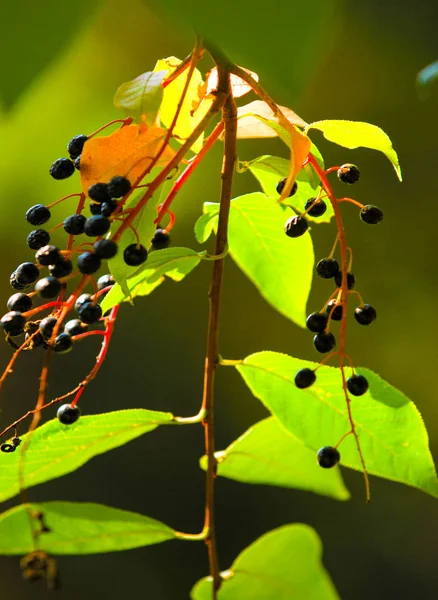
{"x":13,"y":323}
{"x":160,"y":240}
{"x":281,"y":184}
{"x":135,"y":255}
{"x":107,"y":208}
{"x":371,"y":214}
{"x":88,"y":263}
{"x":48,"y":287}
{"x":47,"y":326}
{"x":305,"y":378}
{"x":324,"y":342}
{"x":63,"y":343}
{"x":62,"y":168}
{"x":38,"y":238}
{"x":76,"y":145}
{"x":27,"y":273}
{"x":118,"y":187}
{"x":315,"y":208}
{"x":16,"y":284}
{"x":37,"y":214}
{"x":82,"y":299}
{"x":296,"y":226}
{"x":316,"y":322}
{"x":328,"y":457}
{"x":48,"y":255}
{"x":77,"y":163}
{"x":67,"y":414}
{"x":99,"y":192}
{"x":20,"y":302}
{"x":61,"y":268}
{"x":357,"y":385}
{"x":351,"y":280}
{"x":105,"y":248}
{"x":327,"y":268}
{"x":96,"y":226}
{"x":74,"y":224}
{"x":105,"y":281}
{"x":336,"y":315}
{"x":348,"y":173}
{"x":95,"y":208}
{"x":74,"y":327}
{"x":365,"y":314}
{"x":89,"y":312}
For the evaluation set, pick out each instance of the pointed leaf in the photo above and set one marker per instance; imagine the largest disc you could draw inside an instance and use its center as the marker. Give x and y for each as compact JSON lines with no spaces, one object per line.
{"x":284,"y":564}
{"x":204,"y":226}
{"x":141,"y":97}
{"x":55,"y":449}
{"x":392,"y":434}
{"x":355,"y":134}
{"x":256,"y":120}
{"x":80,"y":528}
{"x":268,"y":454}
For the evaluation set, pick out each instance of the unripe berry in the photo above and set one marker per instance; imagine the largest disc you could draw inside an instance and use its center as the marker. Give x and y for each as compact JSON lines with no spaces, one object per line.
{"x":48,"y":255}
{"x":38,"y":238}
{"x":357,"y":385}
{"x":105,"y":249}
{"x":348,"y":173}
{"x":351,"y":280}
{"x":328,"y":457}
{"x":118,"y":187}
{"x":327,"y":268}
{"x":62,"y":168}
{"x":48,"y":287}
{"x":67,"y":414}
{"x":305,"y":378}
{"x":37,"y":214}
{"x":324,"y":342}
{"x":96,"y":226}
{"x":88,"y":263}
{"x":89,"y":312}
{"x":74,"y":224}
{"x":296,"y":226}
{"x":20,"y":302}
{"x":26,"y":273}
{"x":135,"y":255}
{"x":336,"y":315}
{"x":371,"y":214}
{"x":13,"y":323}
{"x":281,"y":184}
{"x":99,"y":192}
{"x":365,"y":314}
{"x":316,"y":322}
{"x":319,"y":207}
{"x":161,"y":239}
{"x":63,"y":343}
{"x":76,"y":145}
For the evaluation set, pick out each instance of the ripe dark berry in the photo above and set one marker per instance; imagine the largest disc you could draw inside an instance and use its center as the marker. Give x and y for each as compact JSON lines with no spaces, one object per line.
{"x":318,"y":209}
{"x":67,"y":414}
{"x":37,"y":214}
{"x":118,"y":187}
{"x":16,"y":284}
{"x":76,"y":145}
{"x":88,"y":263}
{"x":305,"y":378}
{"x":328,"y":457}
{"x":89,"y":312}
{"x":13,"y":323}
{"x":62,"y":168}
{"x":74,"y":327}
{"x":327,"y":268}
{"x":20,"y":302}
{"x":107,"y":208}
{"x":48,"y":287}
{"x":62,"y":268}
{"x":97,"y":225}
{"x":371,"y":214}
{"x":38,"y":238}
{"x":99,"y":192}
{"x":48,"y":255}
{"x":357,"y":385}
{"x":296,"y":226}
{"x":316,"y":322}
{"x":27,"y":273}
{"x":46,"y":327}
{"x":324,"y":342}
{"x":280,"y":187}
{"x":348,"y":173}
{"x":63,"y":343}
{"x":105,"y":281}
{"x":95,"y":208}
{"x":365,"y":314}
{"x":105,"y":248}
{"x":135,"y":255}
{"x":82,"y":299}
{"x":336,"y":315}
{"x":77,"y":163}
{"x":160,"y":240}
{"x":7,"y":447}
{"x":74,"y":224}
{"x":351,"y":280}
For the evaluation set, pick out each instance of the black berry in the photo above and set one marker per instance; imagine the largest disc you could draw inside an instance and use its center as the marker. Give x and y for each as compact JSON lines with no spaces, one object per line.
{"x":48,"y":255}
{"x":62,"y":168}
{"x":296,"y":226}
{"x":327,"y":268}
{"x":316,"y":322}
{"x":161,"y":239}
{"x":88,"y":263}
{"x":348,"y":173}
{"x":318,"y":207}
{"x":13,"y":323}
{"x":37,"y":214}
{"x":328,"y":457}
{"x":281,"y":184}
{"x":74,"y":224}
{"x":97,"y":225}
{"x":82,"y":299}
{"x":38,"y":238}
{"x":16,"y":284}
{"x":357,"y":385}
{"x":63,"y":343}
{"x":135,"y":255}
{"x":365,"y":314}
{"x":305,"y":378}
{"x":77,"y":163}
{"x":99,"y":192}
{"x":76,"y":145}
{"x":107,"y":208}
{"x":89,"y":312}
{"x":74,"y":327}
{"x":371,"y":214}
{"x":118,"y":187}
{"x":324,"y":342}
{"x":351,"y":280}
{"x":61,"y":268}
{"x":105,"y":248}
{"x":95,"y":208}
{"x":27,"y":273}
{"x":67,"y":414}
{"x":105,"y":281}
{"x":46,"y":327}
{"x":20,"y":302}
{"x":336,"y":315}
{"x":48,"y":287}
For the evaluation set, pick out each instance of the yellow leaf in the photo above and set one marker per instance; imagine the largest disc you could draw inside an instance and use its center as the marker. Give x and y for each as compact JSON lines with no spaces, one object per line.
{"x":253,"y":117}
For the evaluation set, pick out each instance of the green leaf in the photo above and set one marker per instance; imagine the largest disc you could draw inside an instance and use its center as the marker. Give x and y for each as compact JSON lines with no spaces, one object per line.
{"x":269,"y":454}
{"x":280,"y":267}
{"x":55,"y":449}
{"x":80,"y":528}
{"x":284,"y":564}
{"x":355,"y":134}
{"x":173,"y":262}
{"x":141,"y":96}
{"x":204,"y":226}
{"x":392,"y":434}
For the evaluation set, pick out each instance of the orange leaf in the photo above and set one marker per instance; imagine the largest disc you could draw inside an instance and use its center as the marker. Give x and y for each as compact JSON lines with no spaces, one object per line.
{"x":128,"y":152}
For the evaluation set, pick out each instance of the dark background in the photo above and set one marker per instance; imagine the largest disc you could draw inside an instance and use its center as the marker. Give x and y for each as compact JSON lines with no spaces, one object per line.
{"x":60,"y":65}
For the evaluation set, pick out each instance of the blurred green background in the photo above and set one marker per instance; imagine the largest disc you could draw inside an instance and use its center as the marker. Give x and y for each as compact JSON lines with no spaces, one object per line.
{"x":60,"y":65}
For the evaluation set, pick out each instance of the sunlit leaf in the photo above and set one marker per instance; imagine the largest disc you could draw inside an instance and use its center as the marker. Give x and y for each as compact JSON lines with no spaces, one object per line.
{"x":238,"y":87}
{"x":392,"y":434}
{"x":268,"y":454}
{"x":283,"y":564}
{"x":141,"y":97}
{"x":79,"y":528}
{"x":55,"y":449}
{"x":257,"y":120}
{"x":355,"y":134}
{"x":204,"y":226}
